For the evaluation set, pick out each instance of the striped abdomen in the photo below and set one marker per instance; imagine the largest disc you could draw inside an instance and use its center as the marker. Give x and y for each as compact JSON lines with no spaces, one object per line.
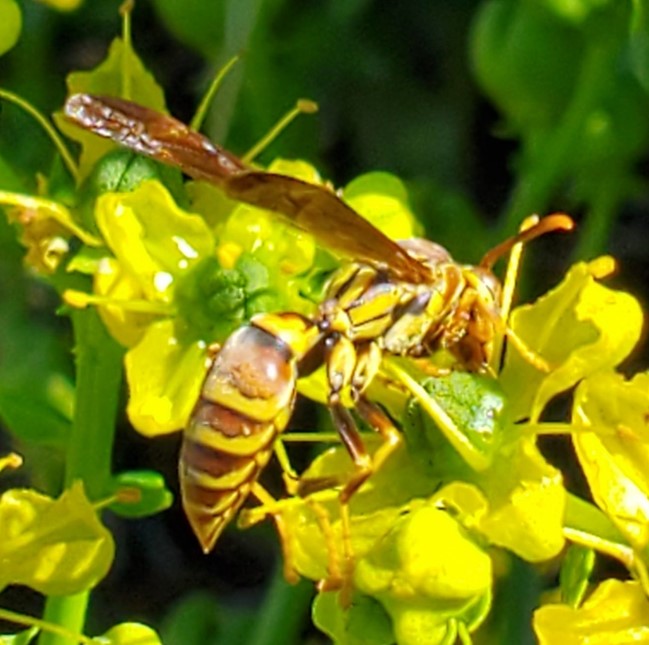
{"x":246,"y":401}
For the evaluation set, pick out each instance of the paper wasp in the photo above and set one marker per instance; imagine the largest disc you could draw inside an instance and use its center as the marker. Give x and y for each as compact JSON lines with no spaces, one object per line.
{"x":406,"y":299}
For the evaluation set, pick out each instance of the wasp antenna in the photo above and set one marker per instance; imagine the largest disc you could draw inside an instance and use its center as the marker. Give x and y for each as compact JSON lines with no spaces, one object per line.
{"x":302,"y":106}
{"x":554,"y":222}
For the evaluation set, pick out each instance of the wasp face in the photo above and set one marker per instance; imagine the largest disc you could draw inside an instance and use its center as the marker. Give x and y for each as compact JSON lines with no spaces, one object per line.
{"x":478,"y":315}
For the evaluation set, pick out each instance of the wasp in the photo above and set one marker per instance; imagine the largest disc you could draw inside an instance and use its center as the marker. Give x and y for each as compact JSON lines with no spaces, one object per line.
{"x":407,"y":299}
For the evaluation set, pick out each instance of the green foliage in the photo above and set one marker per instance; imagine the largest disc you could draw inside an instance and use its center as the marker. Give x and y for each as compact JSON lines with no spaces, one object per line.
{"x":576,"y":568}
{"x":11,"y":21}
{"x":21,"y":638}
{"x":153,"y":270}
{"x":365,"y":623}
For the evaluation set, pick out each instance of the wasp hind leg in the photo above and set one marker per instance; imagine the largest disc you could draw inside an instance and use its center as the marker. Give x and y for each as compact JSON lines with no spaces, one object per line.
{"x":364,"y":466}
{"x":269,"y":502}
{"x":269,"y":506}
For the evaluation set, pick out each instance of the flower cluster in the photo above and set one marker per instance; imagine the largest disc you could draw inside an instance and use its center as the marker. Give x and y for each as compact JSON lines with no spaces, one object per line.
{"x":172,"y":267}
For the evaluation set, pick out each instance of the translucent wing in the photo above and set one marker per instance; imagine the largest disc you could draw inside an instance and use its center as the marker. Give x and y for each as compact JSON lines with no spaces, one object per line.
{"x":312,"y":208}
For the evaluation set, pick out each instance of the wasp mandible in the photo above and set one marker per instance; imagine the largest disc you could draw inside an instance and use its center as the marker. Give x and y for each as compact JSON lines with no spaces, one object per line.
{"x":403,"y":299}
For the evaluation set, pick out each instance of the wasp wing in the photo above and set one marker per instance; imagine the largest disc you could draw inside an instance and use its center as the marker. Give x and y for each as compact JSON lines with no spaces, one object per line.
{"x":310,"y":207}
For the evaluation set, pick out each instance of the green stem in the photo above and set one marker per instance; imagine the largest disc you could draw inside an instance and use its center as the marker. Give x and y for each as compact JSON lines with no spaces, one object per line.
{"x":206,"y":101}
{"x":43,"y":626}
{"x":89,"y":452}
{"x":127,"y":52}
{"x":547,"y":165}
{"x":606,"y":194}
{"x":518,"y":597}
{"x":283,"y":614}
{"x":303,"y":106}
{"x":47,"y":126}
{"x":586,"y":518}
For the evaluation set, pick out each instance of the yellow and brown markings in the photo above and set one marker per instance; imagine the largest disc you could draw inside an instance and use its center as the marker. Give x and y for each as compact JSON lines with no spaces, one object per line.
{"x":409,"y":298}
{"x":246,"y":400}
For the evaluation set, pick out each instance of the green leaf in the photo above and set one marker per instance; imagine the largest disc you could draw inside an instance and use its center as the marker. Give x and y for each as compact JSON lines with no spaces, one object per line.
{"x":365,"y":622}
{"x":579,"y":327}
{"x":575,"y":11}
{"x":531,"y":90}
{"x":9,"y":179}
{"x":612,"y":444}
{"x":471,"y":407}
{"x":639,"y":43}
{"x":616,"y":612}
{"x":33,"y":418}
{"x":121,"y":171}
{"x":53,"y":546}
{"x":576,"y":567}
{"x":41,"y":413}
{"x":108,"y":78}
{"x":524,"y":495}
{"x":195,"y":23}
{"x":87,"y":260}
{"x":21,"y":638}
{"x":10,"y":24}
{"x":130,"y":634}
{"x":153,"y":494}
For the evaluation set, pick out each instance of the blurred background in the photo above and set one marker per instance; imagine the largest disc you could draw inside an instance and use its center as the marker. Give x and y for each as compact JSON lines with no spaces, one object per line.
{"x":487,"y":110}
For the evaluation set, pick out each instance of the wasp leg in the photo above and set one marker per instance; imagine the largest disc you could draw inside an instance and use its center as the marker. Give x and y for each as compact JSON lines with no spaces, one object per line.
{"x":364,"y":466}
{"x":212,"y":350}
{"x":430,"y":369}
{"x":266,"y":499}
{"x":290,"y":477}
{"x":379,"y":420}
{"x":335,"y":579}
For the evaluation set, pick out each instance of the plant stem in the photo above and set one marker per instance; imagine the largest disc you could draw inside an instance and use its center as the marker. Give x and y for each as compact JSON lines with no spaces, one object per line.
{"x":283,"y":613}
{"x":608,"y":190}
{"x":43,"y":626}
{"x":89,"y":452}
{"x":548,"y":164}
{"x":51,"y":132}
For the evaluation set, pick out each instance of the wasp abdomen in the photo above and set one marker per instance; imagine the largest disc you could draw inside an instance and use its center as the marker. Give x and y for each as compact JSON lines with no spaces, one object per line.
{"x":246,"y":401}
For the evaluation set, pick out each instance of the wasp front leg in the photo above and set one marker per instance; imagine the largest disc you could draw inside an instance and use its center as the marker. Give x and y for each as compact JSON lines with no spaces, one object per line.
{"x":350,"y":368}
